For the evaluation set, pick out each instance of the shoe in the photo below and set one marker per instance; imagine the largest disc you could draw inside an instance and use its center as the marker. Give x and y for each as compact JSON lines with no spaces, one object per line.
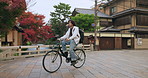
{"x":73,"y":63}
{"x":68,"y":60}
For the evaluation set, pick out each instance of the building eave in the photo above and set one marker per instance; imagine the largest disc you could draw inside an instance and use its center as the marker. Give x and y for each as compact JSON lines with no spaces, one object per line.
{"x":19,"y":29}
{"x":109,"y":3}
{"x":138,"y":30}
{"x":129,"y":11}
{"x":89,"y":11}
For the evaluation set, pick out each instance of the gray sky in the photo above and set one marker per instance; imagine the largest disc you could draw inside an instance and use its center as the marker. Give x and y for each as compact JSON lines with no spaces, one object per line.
{"x":44,"y":7}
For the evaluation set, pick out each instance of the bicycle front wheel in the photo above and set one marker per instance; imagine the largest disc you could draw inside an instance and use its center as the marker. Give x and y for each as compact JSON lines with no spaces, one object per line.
{"x":52,"y":61}
{"x":81,"y":58}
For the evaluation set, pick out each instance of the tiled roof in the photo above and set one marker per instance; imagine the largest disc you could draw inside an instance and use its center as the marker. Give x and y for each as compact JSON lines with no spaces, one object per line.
{"x":91,"y":11}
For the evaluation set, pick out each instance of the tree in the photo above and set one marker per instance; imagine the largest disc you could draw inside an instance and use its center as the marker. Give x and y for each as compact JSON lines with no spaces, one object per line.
{"x":34,"y":29}
{"x":61,"y":14}
{"x":9,"y":10}
{"x":29,"y":20}
{"x":45,"y":33}
{"x":84,"y":21}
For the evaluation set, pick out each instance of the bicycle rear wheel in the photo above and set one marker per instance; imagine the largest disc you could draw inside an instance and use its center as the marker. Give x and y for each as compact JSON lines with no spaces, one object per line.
{"x":52,"y":61}
{"x":81,"y":58}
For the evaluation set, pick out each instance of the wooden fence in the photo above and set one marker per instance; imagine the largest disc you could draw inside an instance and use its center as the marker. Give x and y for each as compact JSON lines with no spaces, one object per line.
{"x":11,"y":52}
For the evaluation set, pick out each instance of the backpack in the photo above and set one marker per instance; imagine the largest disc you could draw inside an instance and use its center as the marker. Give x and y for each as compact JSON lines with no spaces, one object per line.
{"x":81,"y":32}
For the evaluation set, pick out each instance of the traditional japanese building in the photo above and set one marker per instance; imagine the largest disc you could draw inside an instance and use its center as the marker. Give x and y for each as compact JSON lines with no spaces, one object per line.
{"x":131,"y":16}
{"x":13,"y":38}
{"x":125,"y":24}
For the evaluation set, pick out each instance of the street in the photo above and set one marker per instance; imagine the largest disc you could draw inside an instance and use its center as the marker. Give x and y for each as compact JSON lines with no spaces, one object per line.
{"x":99,"y":64}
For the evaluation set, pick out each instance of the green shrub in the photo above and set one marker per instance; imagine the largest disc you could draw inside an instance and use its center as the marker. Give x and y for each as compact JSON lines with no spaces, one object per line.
{"x":24,"y":49}
{"x":28,"y":43}
{"x":16,"y":54}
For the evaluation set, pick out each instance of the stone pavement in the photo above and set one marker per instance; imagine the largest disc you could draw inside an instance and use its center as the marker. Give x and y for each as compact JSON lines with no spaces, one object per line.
{"x":99,"y":64}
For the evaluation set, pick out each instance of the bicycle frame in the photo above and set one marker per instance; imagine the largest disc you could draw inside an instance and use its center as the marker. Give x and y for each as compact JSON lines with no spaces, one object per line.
{"x":59,"y":49}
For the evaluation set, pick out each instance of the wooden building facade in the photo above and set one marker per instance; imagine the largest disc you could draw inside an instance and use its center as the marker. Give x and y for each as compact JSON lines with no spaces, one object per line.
{"x":111,"y":41}
{"x":131,"y":16}
{"x":126,"y":27}
{"x":13,"y":38}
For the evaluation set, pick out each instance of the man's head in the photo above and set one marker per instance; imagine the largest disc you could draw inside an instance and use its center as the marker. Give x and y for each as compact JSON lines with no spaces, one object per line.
{"x":71,"y":23}
{"x":16,"y":19}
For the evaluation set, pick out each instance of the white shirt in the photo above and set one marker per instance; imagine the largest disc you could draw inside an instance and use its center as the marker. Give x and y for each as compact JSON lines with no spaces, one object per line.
{"x":75,"y":35}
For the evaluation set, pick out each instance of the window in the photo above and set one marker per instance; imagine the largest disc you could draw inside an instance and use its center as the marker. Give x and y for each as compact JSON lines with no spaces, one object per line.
{"x":142,"y":20}
{"x":112,"y":10}
{"x":142,"y":3}
{"x":105,"y":23}
{"x":125,"y":20}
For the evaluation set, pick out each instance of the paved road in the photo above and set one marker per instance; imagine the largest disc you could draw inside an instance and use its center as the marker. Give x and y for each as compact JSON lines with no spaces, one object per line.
{"x":100,"y":64}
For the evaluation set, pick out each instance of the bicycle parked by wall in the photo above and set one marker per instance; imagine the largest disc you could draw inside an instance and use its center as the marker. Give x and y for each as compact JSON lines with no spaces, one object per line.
{"x":52,"y":60}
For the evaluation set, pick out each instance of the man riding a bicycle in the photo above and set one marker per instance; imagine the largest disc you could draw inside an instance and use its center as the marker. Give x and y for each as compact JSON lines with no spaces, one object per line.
{"x":52,"y":60}
{"x":72,"y":38}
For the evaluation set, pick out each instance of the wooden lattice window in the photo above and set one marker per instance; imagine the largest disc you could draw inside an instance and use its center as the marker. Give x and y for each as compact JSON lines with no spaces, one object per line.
{"x":125,"y":20}
{"x":142,"y":20}
{"x":142,"y":3}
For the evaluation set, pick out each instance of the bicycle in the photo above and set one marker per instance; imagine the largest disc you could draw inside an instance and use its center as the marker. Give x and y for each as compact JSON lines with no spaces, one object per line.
{"x":52,"y":60}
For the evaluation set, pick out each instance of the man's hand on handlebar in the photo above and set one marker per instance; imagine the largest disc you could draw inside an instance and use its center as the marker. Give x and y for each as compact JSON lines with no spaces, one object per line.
{"x":67,"y":39}
{"x":59,"y":39}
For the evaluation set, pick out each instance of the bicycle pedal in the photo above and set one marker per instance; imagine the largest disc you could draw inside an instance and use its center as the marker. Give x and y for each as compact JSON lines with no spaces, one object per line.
{"x":67,"y":60}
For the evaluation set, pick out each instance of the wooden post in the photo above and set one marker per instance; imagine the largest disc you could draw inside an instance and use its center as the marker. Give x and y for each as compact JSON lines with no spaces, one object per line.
{"x":134,"y":20}
{"x":95,"y":19}
{"x":132,"y":43}
{"x":38,"y":48}
{"x":19,"y":50}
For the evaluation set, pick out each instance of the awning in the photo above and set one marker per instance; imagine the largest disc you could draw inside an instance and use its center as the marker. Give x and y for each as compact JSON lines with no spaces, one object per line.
{"x":138,"y":30}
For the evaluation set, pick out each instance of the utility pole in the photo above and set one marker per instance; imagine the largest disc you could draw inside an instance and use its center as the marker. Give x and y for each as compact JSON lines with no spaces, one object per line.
{"x":0,"y":42}
{"x":95,"y":20}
